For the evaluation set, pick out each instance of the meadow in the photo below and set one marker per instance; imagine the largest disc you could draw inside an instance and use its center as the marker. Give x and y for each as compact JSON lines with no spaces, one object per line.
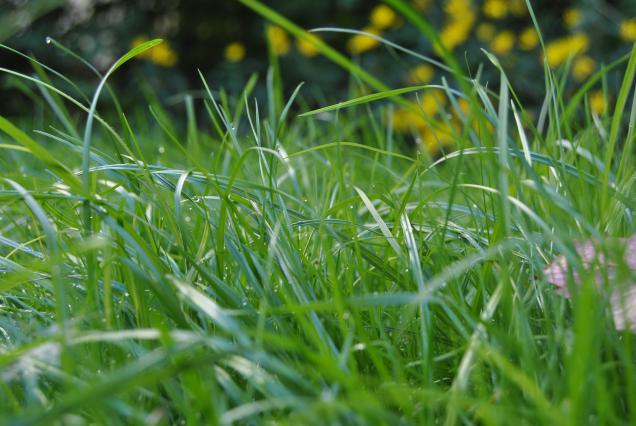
{"x":269,"y":263}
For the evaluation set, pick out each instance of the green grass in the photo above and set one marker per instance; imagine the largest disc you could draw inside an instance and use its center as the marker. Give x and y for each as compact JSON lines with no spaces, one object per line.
{"x":242,"y":264}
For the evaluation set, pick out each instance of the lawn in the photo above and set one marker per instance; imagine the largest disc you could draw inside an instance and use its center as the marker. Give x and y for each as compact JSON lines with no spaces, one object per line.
{"x":265,"y":263}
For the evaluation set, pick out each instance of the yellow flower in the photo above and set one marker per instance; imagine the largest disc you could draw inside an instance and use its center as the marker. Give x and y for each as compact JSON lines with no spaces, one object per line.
{"x":454,"y":34}
{"x":405,"y":120}
{"x":460,"y":18}
{"x":234,"y":52}
{"x":442,"y":135}
{"x":421,"y":5}
{"x":485,"y":31}
{"x":138,"y":41}
{"x":598,"y":104}
{"x":628,"y":30}
{"x":557,"y":51}
{"x":464,"y":106}
{"x":432,"y":101}
{"x":518,"y":8}
{"x":495,"y":9}
{"x":161,"y":54}
{"x":361,"y":43}
{"x":528,"y":39}
{"x":382,"y":17}
{"x":582,"y":67}
{"x":572,"y":18}
{"x":421,"y":74}
{"x":278,"y":40}
{"x":431,"y":139}
{"x":457,"y":9}
{"x":503,"y":42}
{"x":307,"y":48}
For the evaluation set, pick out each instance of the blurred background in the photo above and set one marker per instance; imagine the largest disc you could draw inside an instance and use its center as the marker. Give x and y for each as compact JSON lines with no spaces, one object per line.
{"x":229,"y":43}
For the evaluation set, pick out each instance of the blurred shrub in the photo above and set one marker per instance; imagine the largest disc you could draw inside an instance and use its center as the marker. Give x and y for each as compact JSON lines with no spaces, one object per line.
{"x":230,"y":43}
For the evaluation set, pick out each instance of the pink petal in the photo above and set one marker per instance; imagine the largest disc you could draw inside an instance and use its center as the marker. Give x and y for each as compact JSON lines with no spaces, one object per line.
{"x":630,"y":253}
{"x":557,"y":274}
{"x":624,"y":308}
{"x":623,"y":302}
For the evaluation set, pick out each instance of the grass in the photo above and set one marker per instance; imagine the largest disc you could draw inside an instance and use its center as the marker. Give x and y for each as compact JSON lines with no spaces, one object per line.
{"x":247,"y":265}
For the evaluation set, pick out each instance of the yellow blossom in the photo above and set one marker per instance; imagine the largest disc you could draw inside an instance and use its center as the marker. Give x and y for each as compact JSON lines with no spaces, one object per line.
{"x":382,"y":17}
{"x":528,"y":39}
{"x":278,"y":40}
{"x":234,"y":52}
{"x":457,"y":9}
{"x":495,"y":9}
{"x":406,"y":120}
{"x":503,"y":42}
{"x":431,"y":135}
{"x":464,"y":106}
{"x":572,"y":18}
{"x":139,"y":40}
{"x":459,"y":23}
{"x":627,"y":30}
{"x":557,"y":51}
{"x":582,"y":67}
{"x":598,"y":104}
{"x":485,"y":31}
{"x":361,"y":43}
{"x":518,"y":8}
{"x":454,"y":34}
{"x":161,"y":54}
{"x":432,"y":101}
{"x":421,"y":5}
{"x":444,"y":134}
{"x":307,"y":48}
{"x":421,"y":74}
